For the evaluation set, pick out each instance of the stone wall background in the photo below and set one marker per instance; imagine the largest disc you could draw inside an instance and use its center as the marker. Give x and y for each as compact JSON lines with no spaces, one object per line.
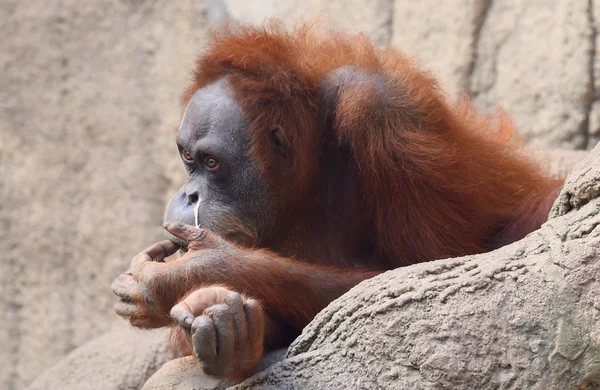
{"x":89,"y":103}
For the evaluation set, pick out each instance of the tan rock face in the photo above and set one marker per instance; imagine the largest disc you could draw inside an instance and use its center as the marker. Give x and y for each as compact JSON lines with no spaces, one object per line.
{"x":89,"y":100}
{"x":594,"y":118}
{"x":533,"y":60}
{"x":373,"y":17}
{"x":123,"y":358}
{"x":441,"y":36}
{"x":523,"y":316}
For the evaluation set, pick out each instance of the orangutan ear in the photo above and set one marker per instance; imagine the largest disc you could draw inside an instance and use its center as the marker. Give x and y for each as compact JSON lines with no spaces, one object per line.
{"x":279,"y":141}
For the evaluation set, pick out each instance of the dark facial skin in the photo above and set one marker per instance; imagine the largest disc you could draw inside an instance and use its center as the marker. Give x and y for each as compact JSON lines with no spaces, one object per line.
{"x":313,"y":191}
{"x":232,"y":302}
{"x":224,"y":190}
{"x":228,"y":195}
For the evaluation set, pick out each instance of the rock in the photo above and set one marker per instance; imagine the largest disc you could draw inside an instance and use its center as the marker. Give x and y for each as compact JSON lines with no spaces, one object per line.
{"x":594,"y":137}
{"x":594,"y":124}
{"x":121,"y":359}
{"x":559,"y":162}
{"x":90,"y":364}
{"x":581,"y":186}
{"x":90,"y":100}
{"x":184,"y":373}
{"x":441,"y":36}
{"x":534,"y":61}
{"x":356,"y":16}
{"x":594,"y":118}
{"x":523,"y":316}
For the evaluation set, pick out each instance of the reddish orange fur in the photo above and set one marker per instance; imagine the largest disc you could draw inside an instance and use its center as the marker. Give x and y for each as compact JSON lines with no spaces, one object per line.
{"x":439,"y":181}
{"x":435,"y":181}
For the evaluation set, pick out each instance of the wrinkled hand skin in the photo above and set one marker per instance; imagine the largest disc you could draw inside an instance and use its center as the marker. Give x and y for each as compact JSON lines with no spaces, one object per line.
{"x":226,"y":330}
{"x":151,"y":287}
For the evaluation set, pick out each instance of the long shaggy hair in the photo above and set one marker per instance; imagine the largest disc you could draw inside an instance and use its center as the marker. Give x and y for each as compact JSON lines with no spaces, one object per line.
{"x":439,"y":181}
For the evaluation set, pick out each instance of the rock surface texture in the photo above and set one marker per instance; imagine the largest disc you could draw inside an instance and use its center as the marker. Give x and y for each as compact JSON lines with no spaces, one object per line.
{"x":121,"y":359}
{"x":89,"y":102}
{"x":523,"y":316}
{"x":88,"y":106}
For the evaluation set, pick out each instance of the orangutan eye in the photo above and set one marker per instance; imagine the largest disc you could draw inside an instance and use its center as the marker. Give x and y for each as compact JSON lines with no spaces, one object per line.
{"x":211,"y":164}
{"x":187,"y":156}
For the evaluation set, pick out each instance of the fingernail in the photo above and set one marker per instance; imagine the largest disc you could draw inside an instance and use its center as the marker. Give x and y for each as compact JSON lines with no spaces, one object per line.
{"x":188,"y":321}
{"x":166,"y":225}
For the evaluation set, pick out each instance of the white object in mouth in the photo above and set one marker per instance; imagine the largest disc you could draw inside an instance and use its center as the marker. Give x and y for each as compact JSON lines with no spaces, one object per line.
{"x":196,"y":212}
